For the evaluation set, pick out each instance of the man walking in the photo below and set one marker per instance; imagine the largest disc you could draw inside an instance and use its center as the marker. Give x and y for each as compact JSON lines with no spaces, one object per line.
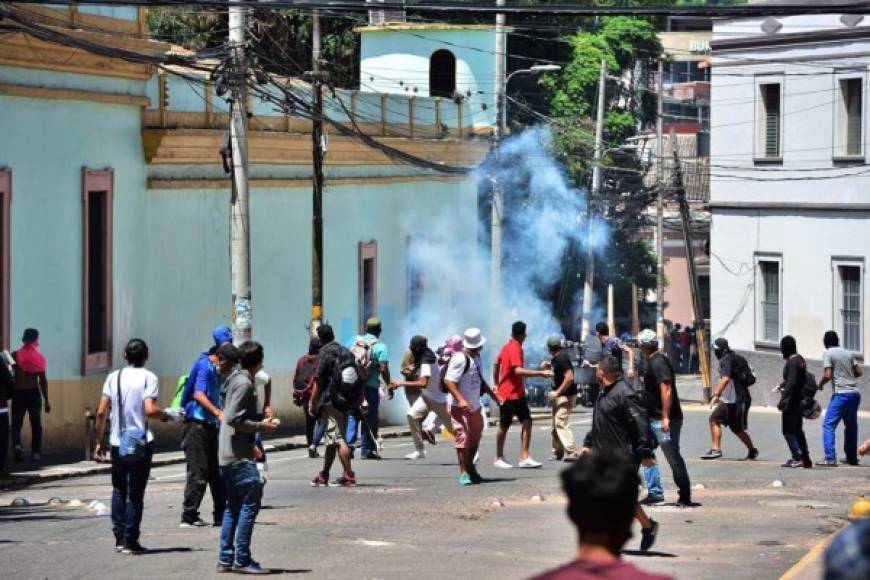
{"x":202,"y":417}
{"x":666,"y":420}
{"x":562,"y":398}
{"x":331,"y":405}
{"x":380,"y":361}
{"x":29,"y":394}
{"x":237,"y":462}
{"x":730,"y":401}
{"x":842,"y":371}
{"x":508,"y":373}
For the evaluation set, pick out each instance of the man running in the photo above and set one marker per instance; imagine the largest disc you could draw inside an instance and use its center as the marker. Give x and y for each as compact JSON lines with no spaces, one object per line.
{"x":508,"y":373}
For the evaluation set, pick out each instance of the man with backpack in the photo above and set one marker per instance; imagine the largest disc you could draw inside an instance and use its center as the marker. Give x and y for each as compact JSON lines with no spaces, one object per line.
{"x":373,"y":362}
{"x":730,"y":400}
{"x":201,"y":401}
{"x":303,"y":386}
{"x":337,"y":390}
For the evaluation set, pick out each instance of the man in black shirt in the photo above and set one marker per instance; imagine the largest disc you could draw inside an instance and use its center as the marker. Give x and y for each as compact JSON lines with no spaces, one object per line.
{"x":562,"y":398}
{"x":666,"y":420}
{"x":620,"y":423}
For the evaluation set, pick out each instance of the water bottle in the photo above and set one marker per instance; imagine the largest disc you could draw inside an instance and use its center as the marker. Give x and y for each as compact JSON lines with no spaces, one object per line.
{"x":662,"y":436}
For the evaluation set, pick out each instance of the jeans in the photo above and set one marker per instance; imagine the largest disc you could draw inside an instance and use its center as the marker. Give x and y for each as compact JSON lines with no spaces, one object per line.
{"x":671,"y":451}
{"x":369,"y":445}
{"x":793,"y":431}
{"x":128,"y":492}
{"x":200,"y":445}
{"x":4,"y":436}
{"x":27,"y":401}
{"x":843,"y":406}
{"x":244,"y":491}
{"x":313,"y":430}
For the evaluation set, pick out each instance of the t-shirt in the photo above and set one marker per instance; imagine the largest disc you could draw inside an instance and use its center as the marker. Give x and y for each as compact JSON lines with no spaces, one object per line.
{"x":468,"y":383}
{"x":329,"y":356}
{"x":586,"y":570}
{"x":380,"y":355}
{"x":727,"y":366}
{"x":137,"y":384}
{"x":433,"y":390}
{"x":840,"y":361}
{"x":561,"y":364}
{"x":205,"y":380}
{"x":659,"y":370}
{"x":612,"y":347}
{"x":510,"y":384}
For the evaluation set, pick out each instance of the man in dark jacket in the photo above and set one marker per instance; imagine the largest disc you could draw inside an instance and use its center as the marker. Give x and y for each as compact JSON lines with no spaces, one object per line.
{"x":620,"y":423}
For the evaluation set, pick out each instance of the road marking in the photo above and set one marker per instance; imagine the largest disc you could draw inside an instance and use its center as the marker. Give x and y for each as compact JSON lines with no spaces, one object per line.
{"x":809,"y":558}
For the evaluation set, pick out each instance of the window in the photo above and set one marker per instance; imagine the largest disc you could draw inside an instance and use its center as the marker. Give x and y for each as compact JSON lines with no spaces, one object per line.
{"x":97,"y":195}
{"x":368,"y":281}
{"x":848,"y":298}
{"x":770,"y":117}
{"x":415,"y":275}
{"x":5,"y":254}
{"x":442,"y":74}
{"x":769,"y":296}
{"x":850,"y":108}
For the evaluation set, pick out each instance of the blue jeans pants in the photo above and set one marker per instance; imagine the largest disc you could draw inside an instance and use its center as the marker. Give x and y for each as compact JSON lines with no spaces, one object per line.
{"x":243,"y":491}
{"x":671,"y":451}
{"x":354,"y":424}
{"x":128,"y":493}
{"x":843,"y":407}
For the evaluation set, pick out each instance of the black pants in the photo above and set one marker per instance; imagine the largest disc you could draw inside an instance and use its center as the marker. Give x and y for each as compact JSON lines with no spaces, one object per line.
{"x":4,"y":436}
{"x":27,"y":401}
{"x":793,"y":431}
{"x":200,"y":444}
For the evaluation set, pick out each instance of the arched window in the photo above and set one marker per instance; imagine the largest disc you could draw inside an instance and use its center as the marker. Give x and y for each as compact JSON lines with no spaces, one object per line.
{"x":442,"y":74}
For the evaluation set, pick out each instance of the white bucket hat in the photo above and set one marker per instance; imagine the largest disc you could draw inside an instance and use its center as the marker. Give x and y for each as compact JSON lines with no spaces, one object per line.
{"x":473,"y":339}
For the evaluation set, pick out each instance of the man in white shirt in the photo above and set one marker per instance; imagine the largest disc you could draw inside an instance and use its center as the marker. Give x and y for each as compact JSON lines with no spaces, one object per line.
{"x":842,"y":371}
{"x":132,"y":395}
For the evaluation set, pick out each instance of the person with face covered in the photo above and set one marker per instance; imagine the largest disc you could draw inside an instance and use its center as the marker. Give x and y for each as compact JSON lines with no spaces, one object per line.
{"x":430,"y":399}
{"x":794,"y":375}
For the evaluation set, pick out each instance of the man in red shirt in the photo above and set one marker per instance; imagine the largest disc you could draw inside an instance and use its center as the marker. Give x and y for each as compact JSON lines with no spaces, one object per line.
{"x":602,"y":494}
{"x":508,"y":374}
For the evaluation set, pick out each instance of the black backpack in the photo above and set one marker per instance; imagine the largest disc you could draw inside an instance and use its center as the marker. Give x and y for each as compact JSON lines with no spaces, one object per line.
{"x":345,"y":395}
{"x":743,"y":376}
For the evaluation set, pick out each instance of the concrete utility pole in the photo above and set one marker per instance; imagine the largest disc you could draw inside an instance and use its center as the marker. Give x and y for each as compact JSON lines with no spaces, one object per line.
{"x":590,"y":204}
{"x":317,"y":179}
{"x":240,"y":231}
{"x":498,"y":134}
{"x":660,"y":210}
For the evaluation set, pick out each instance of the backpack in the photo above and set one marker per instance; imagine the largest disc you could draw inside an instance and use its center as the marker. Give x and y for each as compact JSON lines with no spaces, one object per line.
{"x":180,"y":387}
{"x":304,"y":380}
{"x":362,"y":351}
{"x":743,"y":376}
{"x":443,"y":370}
{"x":345,"y":384}
{"x":809,"y":407}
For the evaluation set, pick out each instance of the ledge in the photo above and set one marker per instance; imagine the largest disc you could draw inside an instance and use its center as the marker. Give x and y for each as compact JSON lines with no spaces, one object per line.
{"x":73,"y":95}
{"x":767,"y":160}
{"x":167,"y":184}
{"x":848,"y":159}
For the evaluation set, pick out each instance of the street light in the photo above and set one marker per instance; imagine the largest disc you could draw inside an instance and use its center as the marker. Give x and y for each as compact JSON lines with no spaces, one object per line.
{"x":502,"y":96}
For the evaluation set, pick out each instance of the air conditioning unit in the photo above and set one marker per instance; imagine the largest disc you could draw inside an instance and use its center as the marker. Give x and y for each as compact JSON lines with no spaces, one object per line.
{"x":380,"y":17}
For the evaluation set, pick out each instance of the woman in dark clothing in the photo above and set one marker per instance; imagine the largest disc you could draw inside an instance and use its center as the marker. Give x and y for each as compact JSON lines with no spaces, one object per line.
{"x":794,"y":375}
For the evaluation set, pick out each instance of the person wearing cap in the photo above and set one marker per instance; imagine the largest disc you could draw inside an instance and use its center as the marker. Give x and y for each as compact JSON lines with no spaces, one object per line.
{"x":202,"y":416}
{"x":371,"y":392}
{"x":431,"y":399}
{"x":562,"y":398}
{"x":508,"y":373}
{"x":29,"y":394}
{"x":666,"y":420}
{"x":464,"y":381}
{"x":730,"y":401}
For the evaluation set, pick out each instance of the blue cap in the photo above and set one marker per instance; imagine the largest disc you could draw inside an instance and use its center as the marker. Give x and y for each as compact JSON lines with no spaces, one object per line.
{"x":222,"y":334}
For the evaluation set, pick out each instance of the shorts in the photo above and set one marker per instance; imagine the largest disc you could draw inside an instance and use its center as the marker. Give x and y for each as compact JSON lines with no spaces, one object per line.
{"x":735,"y":415}
{"x":467,"y":427}
{"x":518,"y":408}
{"x":334,"y":425}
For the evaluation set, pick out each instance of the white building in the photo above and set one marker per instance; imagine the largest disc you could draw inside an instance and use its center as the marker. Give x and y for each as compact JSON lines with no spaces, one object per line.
{"x":790,"y":185}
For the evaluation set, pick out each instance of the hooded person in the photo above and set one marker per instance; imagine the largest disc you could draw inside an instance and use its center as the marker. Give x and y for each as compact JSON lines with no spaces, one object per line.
{"x":29,"y":394}
{"x":794,"y":375}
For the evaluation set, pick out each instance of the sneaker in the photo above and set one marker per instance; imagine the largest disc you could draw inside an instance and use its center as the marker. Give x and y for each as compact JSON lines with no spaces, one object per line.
{"x":251,"y":568}
{"x":223,"y":568}
{"x":474,"y":475}
{"x":686,"y":502}
{"x":827,"y":463}
{"x":197,"y":523}
{"x":792,"y":463}
{"x":418,"y":454}
{"x":429,"y":436}
{"x":134,"y":548}
{"x":476,"y":458}
{"x":529,"y":463}
{"x":465,"y":479}
{"x":312,"y":452}
{"x":807,"y":463}
{"x":753,"y":454}
{"x":347,"y":480}
{"x":502,"y":464}
{"x":713,"y":454}
{"x":556,"y":457}
{"x":322,"y":480}
{"x":373,"y":455}
{"x":652,"y":500}
{"x":17,"y":452}
{"x":648,"y":536}
{"x":119,"y":544}
{"x":571,"y":457}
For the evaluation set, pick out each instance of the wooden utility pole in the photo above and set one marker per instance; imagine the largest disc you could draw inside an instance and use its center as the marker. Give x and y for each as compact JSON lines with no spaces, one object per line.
{"x":316,"y":179}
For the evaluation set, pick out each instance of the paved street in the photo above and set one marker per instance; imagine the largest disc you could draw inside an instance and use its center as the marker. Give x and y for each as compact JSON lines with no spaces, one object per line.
{"x":412,"y":519}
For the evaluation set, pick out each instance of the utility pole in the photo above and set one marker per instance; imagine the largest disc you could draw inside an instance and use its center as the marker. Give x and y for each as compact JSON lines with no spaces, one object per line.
{"x":498,"y":134}
{"x":700,"y":326}
{"x":586,"y":326}
{"x":240,"y":231}
{"x":660,"y":210}
{"x":317,"y":179}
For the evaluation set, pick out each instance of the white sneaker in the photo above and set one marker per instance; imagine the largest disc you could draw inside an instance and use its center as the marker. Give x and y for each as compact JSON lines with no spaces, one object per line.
{"x":502,"y":464}
{"x":418,"y":454}
{"x":529,"y":463}
{"x":476,"y":458}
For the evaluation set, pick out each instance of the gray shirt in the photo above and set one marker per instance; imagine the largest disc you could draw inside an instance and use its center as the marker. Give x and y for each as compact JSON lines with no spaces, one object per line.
{"x":240,"y":424}
{"x":841,"y":361}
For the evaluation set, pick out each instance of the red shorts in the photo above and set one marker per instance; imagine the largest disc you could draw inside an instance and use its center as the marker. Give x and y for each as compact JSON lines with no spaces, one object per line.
{"x":467,"y":427}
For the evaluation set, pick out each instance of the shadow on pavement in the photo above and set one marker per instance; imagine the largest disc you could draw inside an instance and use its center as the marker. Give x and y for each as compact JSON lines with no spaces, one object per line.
{"x":173,"y":550}
{"x":277,"y":571}
{"x":39,"y":513}
{"x":648,"y":554}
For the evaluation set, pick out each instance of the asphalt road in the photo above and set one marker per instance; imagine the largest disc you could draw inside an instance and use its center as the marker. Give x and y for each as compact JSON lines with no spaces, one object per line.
{"x":411,"y":519}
